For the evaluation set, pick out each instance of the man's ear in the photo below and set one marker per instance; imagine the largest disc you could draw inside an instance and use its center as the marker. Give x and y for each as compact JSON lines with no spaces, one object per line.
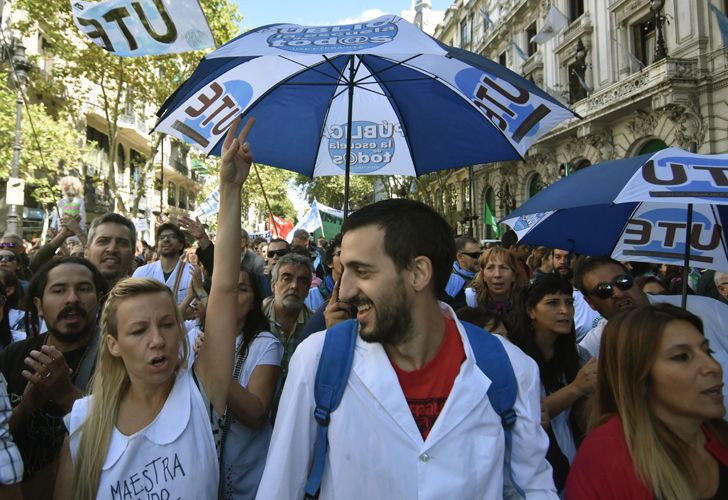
{"x":38,"y":305}
{"x":421,"y":273}
{"x":589,"y":301}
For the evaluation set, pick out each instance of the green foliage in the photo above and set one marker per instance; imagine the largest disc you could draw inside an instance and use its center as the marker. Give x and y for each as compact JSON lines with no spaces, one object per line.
{"x":330,"y":190}
{"x":57,"y":142}
{"x":123,"y":82}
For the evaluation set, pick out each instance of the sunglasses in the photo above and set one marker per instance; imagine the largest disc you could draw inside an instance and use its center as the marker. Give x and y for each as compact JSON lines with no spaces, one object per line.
{"x":472,"y":255}
{"x":7,"y":244}
{"x":8,"y":258}
{"x":606,"y":290}
{"x":279,"y":253}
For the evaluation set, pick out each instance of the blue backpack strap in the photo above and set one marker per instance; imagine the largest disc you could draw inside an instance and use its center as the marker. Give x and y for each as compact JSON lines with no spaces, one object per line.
{"x":332,"y":375}
{"x":492,"y":359}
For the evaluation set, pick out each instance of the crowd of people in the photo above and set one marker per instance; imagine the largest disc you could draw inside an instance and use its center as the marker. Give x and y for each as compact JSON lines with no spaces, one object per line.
{"x":130,"y":370}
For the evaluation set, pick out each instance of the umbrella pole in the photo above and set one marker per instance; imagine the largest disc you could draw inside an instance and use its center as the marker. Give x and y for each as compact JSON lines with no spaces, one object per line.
{"x":265,"y":197}
{"x":348,"y":137}
{"x":686,"y":264}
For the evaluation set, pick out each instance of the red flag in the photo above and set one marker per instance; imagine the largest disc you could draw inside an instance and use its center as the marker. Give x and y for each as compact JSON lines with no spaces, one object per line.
{"x":280,"y":228}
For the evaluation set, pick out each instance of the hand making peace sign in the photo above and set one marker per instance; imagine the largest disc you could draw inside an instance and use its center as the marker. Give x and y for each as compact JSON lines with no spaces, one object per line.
{"x":236,"y":155}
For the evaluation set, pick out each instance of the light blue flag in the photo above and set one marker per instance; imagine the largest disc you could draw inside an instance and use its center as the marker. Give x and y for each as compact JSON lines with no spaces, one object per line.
{"x":520,"y":51}
{"x":722,"y":23}
{"x":310,"y":222}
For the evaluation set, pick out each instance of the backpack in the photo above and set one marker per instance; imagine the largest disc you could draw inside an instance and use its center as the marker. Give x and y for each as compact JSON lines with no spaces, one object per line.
{"x":333,"y":371}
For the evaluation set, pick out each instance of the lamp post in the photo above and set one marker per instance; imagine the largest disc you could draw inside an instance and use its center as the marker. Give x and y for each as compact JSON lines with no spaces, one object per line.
{"x":656,"y":8}
{"x":20,"y":66}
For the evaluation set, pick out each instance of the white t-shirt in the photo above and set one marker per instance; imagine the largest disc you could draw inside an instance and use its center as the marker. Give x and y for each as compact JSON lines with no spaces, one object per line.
{"x":173,"y":457}
{"x":245,"y":448}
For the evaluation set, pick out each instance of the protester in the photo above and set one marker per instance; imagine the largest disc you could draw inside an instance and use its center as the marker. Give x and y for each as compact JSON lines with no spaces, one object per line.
{"x":721,"y":284}
{"x":15,"y":244}
{"x":464,"y":268}
{"x":609,"y":289}
{"x":170,"y":269}
{"x":6,"y":335}
{"x":70,"y":235}
{"x":47,"y":373}
{"x":11,"y":465}
{"x":657,"y":422}
{"x":277,"y":248}
{"x":520,"y":253}
{"x":389,"y":436}
{"x":14,"y":298}
{"x":321,"y":293}
{"x":585,"y":318}
{"x":111,"y":243}
{"x":147,"y":412}
{"x":494,"y":285}
{"x":651,"y":284}
{"x":286,"y":311}
{"x":540,"y":262}
{"x":542,"y":325}
{"x":257,"y":367}
{"x":11,"y":263}
{"x":486,"y":319}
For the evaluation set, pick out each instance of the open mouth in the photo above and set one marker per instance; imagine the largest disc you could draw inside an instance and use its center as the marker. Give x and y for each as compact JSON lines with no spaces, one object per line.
{"x":159,"y":361}
{"x":715,"y":392}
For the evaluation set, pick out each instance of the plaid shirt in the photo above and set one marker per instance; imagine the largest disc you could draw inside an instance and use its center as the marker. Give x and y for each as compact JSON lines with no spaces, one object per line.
{"x":11,"y":465}
{"x":290,"y":340}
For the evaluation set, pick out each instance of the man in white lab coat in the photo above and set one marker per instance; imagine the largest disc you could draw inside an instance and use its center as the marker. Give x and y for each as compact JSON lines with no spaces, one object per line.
{"x":415,"y":421}
{"x":170,"y":269}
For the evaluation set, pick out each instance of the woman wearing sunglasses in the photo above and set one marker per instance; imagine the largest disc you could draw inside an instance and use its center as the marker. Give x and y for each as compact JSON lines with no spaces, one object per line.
{"x":13,"y":304}
{"x":494,"y":285}
{"x":542,"y":325}
{"x":657,"y":417}
{"x":11,"y":263}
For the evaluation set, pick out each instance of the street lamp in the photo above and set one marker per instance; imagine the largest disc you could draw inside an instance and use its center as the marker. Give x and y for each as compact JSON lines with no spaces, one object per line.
{"x":656,"y":8}
{"x":15,"y":53}
{"x":506,"y":200}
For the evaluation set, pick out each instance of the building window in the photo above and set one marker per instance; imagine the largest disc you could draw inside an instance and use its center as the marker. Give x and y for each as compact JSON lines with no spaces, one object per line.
{"x":577,"y":91}
{"x":136,"y":163}
{"x":502,"y":59}
{"x":463,"y":33}
{"x":530,"y":33}
{"x":576,"y":166}
{"x":183,"y":198}
{"x":645,"y":39}
{"x":652,"y":146}
{"x":191,"y":202}
{"x":171,"y":194}
{"x":491,"y":225}
{"x":535,"y":185}
{"x":576,"y":9}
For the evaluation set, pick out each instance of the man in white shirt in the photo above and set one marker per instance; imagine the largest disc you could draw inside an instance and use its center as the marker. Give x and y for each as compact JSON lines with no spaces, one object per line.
{"x":609,"y":289}
{"x":415,"y":421}
{"x":170,"y":269}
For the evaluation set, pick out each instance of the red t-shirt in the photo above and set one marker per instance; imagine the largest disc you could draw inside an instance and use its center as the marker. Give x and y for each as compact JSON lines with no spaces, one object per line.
{"x":427,"y":389}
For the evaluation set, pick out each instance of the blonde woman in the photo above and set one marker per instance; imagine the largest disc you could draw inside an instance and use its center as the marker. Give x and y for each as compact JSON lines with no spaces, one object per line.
{"x":493,"y":286}
{"x":145,"y":430}
{"x":658,"y":413}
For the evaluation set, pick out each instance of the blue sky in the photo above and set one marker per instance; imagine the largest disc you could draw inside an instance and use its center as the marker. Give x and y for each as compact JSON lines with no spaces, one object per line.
{"x":320,"y":12}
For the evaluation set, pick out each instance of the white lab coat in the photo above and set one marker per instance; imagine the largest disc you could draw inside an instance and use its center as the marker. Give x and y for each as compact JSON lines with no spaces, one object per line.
{"x":154,"y":271}
{"x":376,"y":449}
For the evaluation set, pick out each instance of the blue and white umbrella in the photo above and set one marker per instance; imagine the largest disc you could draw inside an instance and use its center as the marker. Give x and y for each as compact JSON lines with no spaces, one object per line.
{"x":636,"y":209}
{"x":378,"y":97}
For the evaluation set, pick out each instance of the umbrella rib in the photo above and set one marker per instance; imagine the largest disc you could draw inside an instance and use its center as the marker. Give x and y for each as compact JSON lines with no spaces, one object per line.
{"x":394,"y":65}
{"x":313,"y":68}
{"x":338,"y":71}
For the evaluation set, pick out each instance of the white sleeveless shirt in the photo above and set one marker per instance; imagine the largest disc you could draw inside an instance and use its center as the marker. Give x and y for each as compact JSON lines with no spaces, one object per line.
{"x":173,"y":457}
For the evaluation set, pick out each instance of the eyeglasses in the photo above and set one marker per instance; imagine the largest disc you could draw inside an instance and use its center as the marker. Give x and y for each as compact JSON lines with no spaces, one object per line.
{"x":606,"y":290}
{"x":167,"y":237}
{"x":472,"y":255}
{"x":8,"y":258}
{"x":279,"y":253}
{"x":7,"y":244}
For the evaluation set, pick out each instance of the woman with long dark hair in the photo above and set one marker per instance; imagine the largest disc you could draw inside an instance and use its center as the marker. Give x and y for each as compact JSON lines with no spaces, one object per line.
{"x":542,"y":325}
{"x":13,"y":304}
{"x":657,"y":428}
{"x":246,"y":429}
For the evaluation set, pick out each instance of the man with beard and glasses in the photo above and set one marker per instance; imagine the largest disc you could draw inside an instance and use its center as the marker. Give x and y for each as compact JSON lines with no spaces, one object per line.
{"x":170,"y":269}
{"x":47,"y":373}
{"x":585,"y":318}
{"x":415,"y":420}
{"x":286,"y":311}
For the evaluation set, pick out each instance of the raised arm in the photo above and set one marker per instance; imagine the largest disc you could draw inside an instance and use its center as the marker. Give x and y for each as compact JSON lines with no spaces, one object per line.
{"x":214,"y":364}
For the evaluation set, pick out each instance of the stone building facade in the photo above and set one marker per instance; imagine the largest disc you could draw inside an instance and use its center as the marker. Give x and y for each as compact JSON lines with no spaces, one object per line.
{"x":641,"y":74}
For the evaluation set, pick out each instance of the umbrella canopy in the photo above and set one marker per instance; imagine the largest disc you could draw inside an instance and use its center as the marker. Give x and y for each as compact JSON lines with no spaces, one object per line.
{"x":379,"y":97}
{"x":635,"y":209}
